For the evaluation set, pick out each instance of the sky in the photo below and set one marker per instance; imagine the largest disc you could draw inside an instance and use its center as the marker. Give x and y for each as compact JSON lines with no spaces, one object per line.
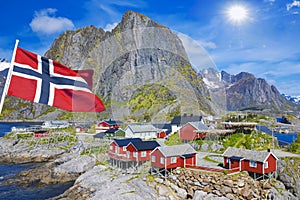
{"x":256,"y":36}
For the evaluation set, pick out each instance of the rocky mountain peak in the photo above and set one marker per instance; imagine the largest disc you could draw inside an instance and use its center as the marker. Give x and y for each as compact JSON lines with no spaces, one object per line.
{"x":244,"y":91}
{"x":133,"y":20}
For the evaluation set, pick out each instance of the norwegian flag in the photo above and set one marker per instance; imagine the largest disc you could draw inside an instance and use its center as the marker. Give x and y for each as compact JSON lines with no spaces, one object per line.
{"x":41,"y":80}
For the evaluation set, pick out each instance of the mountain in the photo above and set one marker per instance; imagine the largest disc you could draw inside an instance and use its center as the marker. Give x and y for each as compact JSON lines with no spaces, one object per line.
{"x":141,"y":69}
{"x":295,"y":100}
{"x":245,"y":92}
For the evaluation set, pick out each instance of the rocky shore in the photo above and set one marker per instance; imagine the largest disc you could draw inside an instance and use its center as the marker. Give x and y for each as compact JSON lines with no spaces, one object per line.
{"x":94,"y":179}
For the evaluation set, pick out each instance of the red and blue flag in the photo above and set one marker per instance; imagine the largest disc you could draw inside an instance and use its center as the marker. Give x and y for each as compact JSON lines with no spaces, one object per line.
{"x":42,"y":80}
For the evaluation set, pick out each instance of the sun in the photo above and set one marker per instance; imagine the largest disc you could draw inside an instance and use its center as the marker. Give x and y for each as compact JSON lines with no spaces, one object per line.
{"x":237,"y":14}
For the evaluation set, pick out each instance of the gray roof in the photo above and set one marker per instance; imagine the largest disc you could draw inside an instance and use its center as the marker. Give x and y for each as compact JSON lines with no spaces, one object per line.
{"x":181,"y":120}
{"x":247,"y":154}
{"x":177,"y":150}
{"x":140,"y":128}
{"x":199,"y":125}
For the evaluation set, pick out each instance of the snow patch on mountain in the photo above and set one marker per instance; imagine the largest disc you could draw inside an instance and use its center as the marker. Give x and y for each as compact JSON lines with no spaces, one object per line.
{"x":292,"y":99}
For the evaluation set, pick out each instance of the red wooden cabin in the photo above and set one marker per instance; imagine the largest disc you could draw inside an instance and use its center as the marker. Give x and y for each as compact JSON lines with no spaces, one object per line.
{"x":170,"y":157}
{"x":192,"y":131}
{"x":117,"y":148}
{"x":256,"y":162}
{"x":106,"y":125}
{"x":139,"y":151}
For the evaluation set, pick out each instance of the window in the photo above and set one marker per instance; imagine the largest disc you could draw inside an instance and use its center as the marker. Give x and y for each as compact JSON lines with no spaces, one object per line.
{"x":266,"y":165}
{"x":143,"y":154}
{"x":124,"y":148}
{"x":134,"y":154}
{"x":111,"y":147}
{"x":252,"y":163}
{"x":173,"y":159}
{"x":152,"y":158}
{"x":128,"y":154}
{"x":162,"y":160}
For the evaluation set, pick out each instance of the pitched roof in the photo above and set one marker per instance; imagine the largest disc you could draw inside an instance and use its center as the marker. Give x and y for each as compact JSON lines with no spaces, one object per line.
{"x":144,"y":145}
{"x":181,"y":120}
{"x":112,"y":130}
{"x":99,"y":135}
{"x":140,"y":128}
{"x":199,"y":125}
{"x":177,"y":150}
{"x":112,"y":122}
{"x":247,"y":154}
{"x":125,"y":142}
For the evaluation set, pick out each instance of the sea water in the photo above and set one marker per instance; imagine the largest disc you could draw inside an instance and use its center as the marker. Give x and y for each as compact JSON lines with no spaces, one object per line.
{"x":15,"y":192}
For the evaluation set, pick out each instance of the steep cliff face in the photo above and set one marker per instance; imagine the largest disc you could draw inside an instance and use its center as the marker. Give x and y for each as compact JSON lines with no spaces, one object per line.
{"x":137,"y":53}
{"x":245,"y":91}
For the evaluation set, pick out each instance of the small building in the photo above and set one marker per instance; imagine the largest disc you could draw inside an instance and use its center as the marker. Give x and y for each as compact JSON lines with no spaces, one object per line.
{"x":139,"y":151}
{"x":114,"y":133}
{"x":192,"y":131}
{"x":106,"y":125}
{"x":117,"y":147}
{"x":178,"y":121}
{"x":41,"y":134}
{"x":163,"y":130}
{"x":80,"y":128}
{"x":170,"y":157}
{"x":144,"y":131}
{"x":130,"y":152}
{"x":261,"y":163}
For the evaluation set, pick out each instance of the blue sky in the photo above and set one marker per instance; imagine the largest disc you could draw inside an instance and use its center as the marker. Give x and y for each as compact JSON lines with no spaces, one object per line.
{"x":266,"y":43}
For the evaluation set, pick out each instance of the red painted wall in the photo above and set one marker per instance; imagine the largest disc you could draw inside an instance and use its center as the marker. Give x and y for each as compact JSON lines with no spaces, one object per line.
{"x":191,"y":161}
{"x":161,"y":134}
{"x":179,"y":161}
{"x":105,"y":126}
{"x":257,"y":169}
{"x":157,"y":155}
{"x":139,"y":157}
{"x":187,"y":132}
{"x":234,"y":163}
{"x":272,"y":164}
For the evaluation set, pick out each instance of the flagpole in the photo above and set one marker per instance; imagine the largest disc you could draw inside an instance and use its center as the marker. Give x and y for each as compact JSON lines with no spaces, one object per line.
{"x":8,"y":77}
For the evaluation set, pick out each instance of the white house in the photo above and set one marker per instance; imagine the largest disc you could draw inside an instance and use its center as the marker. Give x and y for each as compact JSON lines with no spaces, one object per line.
{"x":143,"y":131}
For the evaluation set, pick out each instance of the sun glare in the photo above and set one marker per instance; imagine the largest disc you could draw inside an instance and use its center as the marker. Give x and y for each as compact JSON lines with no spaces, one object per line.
{"x":237,"y":14}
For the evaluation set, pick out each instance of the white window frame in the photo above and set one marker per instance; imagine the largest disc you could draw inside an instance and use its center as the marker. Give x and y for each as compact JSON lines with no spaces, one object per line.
{"x":143,"y":154}
{"x":124,"y":148}
{"x":253,"y":163}
{"x":173,"y":160}
{"x":153,"y":158}
{"x":134,"y":154}
{"x":266,"y":165}
{"x":111,"y":147}
{"x":128,"y":154}
{"x":162,"y":160}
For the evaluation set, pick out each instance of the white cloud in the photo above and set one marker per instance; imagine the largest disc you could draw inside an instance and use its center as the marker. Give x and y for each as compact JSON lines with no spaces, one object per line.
{"x":110,"y":27}
{"x":294,"y":4}
{"x":45,"y":22}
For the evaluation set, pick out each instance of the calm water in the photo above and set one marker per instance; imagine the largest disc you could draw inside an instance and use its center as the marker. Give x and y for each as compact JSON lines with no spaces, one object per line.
{"x":14,"y":192}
